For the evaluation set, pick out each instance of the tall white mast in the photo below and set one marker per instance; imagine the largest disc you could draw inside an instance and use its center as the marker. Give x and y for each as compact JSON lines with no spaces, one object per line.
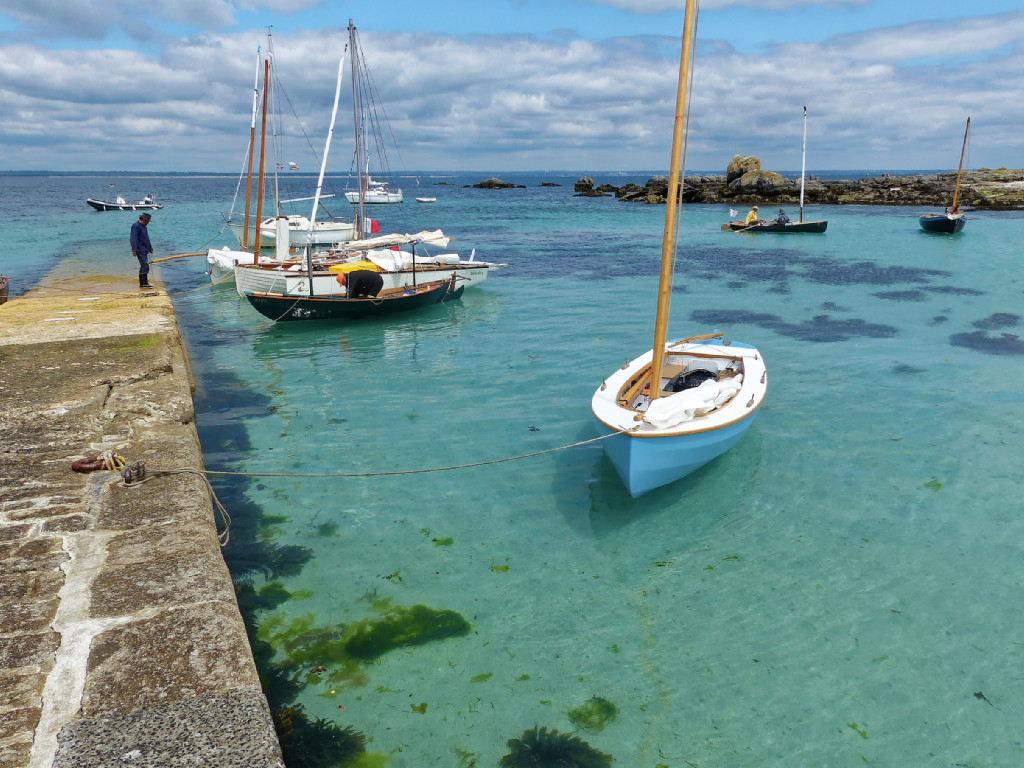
{"x":803,"y":166}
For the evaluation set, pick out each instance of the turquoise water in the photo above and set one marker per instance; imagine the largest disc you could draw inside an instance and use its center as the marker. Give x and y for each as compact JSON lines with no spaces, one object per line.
{"x":841,"y":589}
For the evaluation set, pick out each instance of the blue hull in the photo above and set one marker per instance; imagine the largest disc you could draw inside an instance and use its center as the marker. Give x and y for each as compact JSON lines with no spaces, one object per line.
{"x":646,"y":463}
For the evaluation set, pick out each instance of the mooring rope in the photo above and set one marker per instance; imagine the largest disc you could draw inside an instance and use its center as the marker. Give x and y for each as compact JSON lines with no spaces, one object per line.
{"x":138,"y":473}
{"x":391,"y":473}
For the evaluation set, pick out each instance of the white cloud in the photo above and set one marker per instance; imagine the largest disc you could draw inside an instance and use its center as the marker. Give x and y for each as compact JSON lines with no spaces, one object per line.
{"x":887,"y":98}
{"x":661,"y":6}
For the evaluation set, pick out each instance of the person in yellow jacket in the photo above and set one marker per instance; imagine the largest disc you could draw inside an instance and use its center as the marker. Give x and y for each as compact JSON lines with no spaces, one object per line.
{"x":751,"y":217}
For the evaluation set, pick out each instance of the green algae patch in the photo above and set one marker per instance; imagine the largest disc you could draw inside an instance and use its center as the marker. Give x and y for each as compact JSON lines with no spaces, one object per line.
{"x":326,"y":529}
{"x":445,"y":542}
{"x":370,"y":760}
{"x":136,"y":343}
{"x":934,"y":484}
{"x":420,"y":708}
{"x":483,"y":677}
{"x":594,"y":714}
{"x":499,"y":568}
{"x":863,"y":732}
{"x":371,"y":638}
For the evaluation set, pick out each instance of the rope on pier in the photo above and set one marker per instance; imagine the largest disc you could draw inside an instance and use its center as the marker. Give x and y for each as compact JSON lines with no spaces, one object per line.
{"x":137,"y":474}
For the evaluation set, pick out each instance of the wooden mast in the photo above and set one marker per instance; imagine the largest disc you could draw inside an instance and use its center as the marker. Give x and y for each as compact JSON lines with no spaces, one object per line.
{"x":668,"y":238}
{"x":956,"y":190}
{"x":263,"y":141}
{"x":252,"y":149}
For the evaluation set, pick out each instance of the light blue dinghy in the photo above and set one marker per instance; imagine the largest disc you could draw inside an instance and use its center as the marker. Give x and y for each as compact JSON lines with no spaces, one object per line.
{"x":710,"y":395}
{"x":683,"y":403}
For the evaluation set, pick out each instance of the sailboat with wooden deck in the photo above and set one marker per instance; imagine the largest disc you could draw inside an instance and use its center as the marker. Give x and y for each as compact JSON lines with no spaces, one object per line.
{"x":685,"y":402}
{"x":951,"y":220}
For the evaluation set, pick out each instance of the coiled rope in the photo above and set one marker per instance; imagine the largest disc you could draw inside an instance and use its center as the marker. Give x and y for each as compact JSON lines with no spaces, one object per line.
{"x":137,"y":474}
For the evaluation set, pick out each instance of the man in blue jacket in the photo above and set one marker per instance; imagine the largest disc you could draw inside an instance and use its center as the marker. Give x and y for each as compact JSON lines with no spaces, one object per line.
{"x":141,"y":248}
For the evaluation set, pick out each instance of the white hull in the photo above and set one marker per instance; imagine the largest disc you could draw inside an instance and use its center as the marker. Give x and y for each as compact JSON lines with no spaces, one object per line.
{"x":293,"y":280}
{"x":690,"y":429}
{"x":325,"y":233}
{"x":373,"y":197}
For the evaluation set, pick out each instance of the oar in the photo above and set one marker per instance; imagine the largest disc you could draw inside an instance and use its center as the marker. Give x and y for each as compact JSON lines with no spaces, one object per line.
{"x":177,"y":256}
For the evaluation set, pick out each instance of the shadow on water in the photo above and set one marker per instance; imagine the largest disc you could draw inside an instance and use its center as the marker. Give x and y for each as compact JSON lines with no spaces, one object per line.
{"x":701,"y":501}
{"x":698,"y":503}
{"x":257,"y":564}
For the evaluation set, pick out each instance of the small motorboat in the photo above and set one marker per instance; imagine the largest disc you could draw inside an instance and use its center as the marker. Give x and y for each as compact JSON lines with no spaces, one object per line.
{"x":120,"y":204}
{"x":426,"y":199}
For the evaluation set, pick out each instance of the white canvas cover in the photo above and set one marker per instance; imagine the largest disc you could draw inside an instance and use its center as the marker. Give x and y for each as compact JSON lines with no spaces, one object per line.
{"x":430,"y":237}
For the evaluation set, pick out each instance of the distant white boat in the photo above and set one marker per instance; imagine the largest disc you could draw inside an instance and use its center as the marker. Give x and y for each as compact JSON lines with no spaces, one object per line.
{"x":324,"y":233}
{"x":376,"y":192}
{"x":120,"y":204}
{"x":426,"y":199}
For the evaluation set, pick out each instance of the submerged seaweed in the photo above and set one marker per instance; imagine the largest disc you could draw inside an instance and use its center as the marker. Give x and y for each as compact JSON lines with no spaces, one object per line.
{"x":821,"y":328}
{"x":594,"y":714}
{"x":316,"y":743}
{"x":912,"y":295}
{"x":540,"y":748}
{"x":996,"y":321}
{"x":401,"y":626}
{"x":980,"y":341}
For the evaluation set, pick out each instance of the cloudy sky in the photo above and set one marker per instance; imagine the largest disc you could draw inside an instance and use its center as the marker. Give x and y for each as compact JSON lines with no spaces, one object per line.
{"x":492,"y":85}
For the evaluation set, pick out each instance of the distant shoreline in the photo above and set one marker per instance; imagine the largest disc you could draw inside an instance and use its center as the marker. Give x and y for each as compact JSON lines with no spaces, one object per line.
{"x":1001,"y":189}
{"x":836,"y":174}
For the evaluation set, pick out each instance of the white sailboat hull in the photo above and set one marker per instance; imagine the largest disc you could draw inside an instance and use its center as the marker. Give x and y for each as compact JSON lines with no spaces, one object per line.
{"x":325,"y":233}
{"x":376,"y":197}
{"x":649,"y":453}
{"x":293,"y":280}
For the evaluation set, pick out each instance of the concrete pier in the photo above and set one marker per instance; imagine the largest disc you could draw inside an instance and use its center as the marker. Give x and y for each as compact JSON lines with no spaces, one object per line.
{"x":121,"y":643}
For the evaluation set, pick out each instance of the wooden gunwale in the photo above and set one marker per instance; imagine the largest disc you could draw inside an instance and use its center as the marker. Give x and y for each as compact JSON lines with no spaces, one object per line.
{"x":633,"y":387}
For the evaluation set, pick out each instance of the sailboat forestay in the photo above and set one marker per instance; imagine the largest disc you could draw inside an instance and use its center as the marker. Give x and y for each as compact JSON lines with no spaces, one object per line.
{"x":684,"y":402}
{"x":951,"y":220}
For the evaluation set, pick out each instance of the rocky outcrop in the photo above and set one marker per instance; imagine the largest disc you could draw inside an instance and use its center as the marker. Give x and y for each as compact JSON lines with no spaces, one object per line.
{"x":739,"y":165}
{"x":745,"y":183}
{"x":495,"y":183}
{"x":758,"y":182}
